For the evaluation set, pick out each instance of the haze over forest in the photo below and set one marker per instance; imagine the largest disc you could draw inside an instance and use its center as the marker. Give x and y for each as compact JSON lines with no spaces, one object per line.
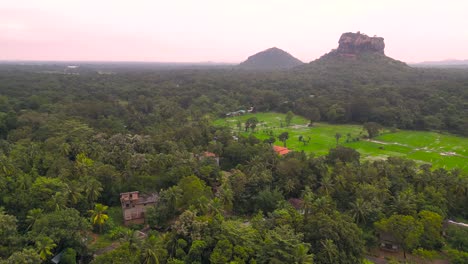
{"x":225,"y":31}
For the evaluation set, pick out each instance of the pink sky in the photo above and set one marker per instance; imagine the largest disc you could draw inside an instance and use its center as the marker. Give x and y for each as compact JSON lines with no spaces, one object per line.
{"x":225,"y":31}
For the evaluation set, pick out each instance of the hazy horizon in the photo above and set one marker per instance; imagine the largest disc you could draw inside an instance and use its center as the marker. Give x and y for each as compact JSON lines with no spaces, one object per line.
{"x":224,"y":31}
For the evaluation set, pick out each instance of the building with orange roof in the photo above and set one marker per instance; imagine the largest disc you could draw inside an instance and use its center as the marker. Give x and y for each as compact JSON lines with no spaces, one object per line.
{"x":281,"y":150}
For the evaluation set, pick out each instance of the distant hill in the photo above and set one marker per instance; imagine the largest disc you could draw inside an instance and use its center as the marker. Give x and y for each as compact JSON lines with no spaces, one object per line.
{"x":358,"y":57}
{"x":270,"y":59}
{"x":443,"y":64}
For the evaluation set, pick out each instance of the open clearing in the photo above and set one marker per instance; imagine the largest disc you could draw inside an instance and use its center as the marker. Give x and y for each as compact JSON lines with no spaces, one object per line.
{"x":441,"y":150}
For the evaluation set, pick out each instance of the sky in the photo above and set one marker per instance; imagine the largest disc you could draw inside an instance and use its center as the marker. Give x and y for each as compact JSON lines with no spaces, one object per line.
{"x":226,"y":30}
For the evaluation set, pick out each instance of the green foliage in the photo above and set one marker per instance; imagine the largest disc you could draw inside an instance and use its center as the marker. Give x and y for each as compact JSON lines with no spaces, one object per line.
{"x":458,"y":237}
{"x":8,"y":234}
{"x":44,"y":246}
{"x":26,"y":256}
{"x":372,"y":128}
{"x":457,"y":257}
{"x":98,"y":215}
{"x":122,"y":255}
{"x":283,"y":137}
{"x":404,"y":228}
{"x":194,"y":192}
{"x":68,"y":257}
{"x":64,"y":227}
{"x":71,"y":143}
{"x":289,"y":117}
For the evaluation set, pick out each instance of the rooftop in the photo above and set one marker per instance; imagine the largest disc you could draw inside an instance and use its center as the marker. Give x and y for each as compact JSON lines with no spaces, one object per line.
{"x":281,"y":150}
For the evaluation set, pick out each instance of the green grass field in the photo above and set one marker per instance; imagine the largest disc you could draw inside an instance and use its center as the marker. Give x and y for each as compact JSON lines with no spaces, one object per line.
{"x":441,"y":150}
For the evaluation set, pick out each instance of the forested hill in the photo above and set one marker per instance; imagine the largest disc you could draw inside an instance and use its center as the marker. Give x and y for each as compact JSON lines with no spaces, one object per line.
{"x":270,"y":59}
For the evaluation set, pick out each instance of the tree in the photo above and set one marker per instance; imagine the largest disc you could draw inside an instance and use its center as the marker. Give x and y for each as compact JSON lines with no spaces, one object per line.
{"x":337,"y":137}
{"x":301,"y":255}
{"x":343,"y":154}
{"x":44,"y":246}
{"x":289,"y":117}
{"x":458,"y":237}
{"x":251,"y":123}
{"x":329,"y":252}
{"x":360,"y":210}
{"x":372,"y":128}
{"x":333,"y":236}
{"x":283,"y":245}
{"x":222,"y":253}
{"x":68,"y":257}
{"x":193,"y":190}
{"x":267,"y":200}
{"x":405,"y":229}
{"x":32,"y":216}
{"x":98,"y":215}
{"x":92,"y":189}
{"x":66,"y":227}
{"x":283,"y":137}
{"x":26,"y":256}
{"x":432,"y":235}
{"x":8,"y":234}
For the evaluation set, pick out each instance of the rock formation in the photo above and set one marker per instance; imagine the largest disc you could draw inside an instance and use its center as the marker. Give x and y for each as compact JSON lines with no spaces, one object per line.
{"x":356,"y":43}
{"x":270,"y":59}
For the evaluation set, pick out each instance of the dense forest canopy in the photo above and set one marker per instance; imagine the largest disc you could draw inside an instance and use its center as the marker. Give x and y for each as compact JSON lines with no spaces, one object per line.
{"x":72,"y":140}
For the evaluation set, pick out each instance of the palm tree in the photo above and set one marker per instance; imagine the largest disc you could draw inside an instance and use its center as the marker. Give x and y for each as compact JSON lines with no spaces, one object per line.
{"x":32,"y":216}
{"x":98,"y":216}
{"x":92,"y":189}
{"x":131,"y":237}
{"x":44,"y":246}
{"x":308,"y":198}
{"x":326,"y":185}
{"x":329,"y":252}
{"x":301,"y":256}
{"x":150,"y":256}
{"x":73,"y":191}
{"x":360,"y":210}
{"x":153,"y":249}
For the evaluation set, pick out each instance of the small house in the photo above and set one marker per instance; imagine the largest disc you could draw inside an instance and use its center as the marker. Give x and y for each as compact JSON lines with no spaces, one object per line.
{"x":134,"y":206}
{"x":281,"y":150}
{"x":388,"y":242}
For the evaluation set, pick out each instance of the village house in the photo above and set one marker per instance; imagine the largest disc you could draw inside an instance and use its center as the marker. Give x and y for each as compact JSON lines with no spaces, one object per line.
{"x":388,"y":242}
{"x":134,"y":206}
{"x":281,"y":150}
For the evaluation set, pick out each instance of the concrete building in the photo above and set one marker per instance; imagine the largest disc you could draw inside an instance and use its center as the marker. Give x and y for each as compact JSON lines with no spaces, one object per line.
{"x":134,"y":206}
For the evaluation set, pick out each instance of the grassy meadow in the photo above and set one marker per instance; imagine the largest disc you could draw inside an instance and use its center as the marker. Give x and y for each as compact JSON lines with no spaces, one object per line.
{"x":441,"y":150}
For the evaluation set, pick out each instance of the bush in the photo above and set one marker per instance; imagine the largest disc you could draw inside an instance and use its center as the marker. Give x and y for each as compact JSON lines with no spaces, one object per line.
{"x":425,"y":254}
{"x":68,"y":257}
{"x":457,"y":257}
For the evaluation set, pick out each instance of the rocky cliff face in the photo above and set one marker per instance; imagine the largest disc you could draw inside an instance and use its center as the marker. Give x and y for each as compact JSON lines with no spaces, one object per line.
{"x":356,"y":43}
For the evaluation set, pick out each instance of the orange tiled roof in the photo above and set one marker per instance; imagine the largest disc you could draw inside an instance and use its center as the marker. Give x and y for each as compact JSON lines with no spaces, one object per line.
{"x":209,"y":154}
{"x":281,"y":150}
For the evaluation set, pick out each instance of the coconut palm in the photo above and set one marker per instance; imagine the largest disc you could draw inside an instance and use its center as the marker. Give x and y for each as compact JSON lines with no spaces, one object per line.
{"x":92,"y":189}
{"x":32,"y":216}
{"x":360,"y":209}
{"x":44,"y":246}
{"x":98,"y":215}
{"x":301,"y":256}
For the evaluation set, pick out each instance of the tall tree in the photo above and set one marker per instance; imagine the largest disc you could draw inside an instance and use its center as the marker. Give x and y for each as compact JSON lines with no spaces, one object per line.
{"x":283,"y":137}
{"x":405,"y":229}
{"x":289,"y":117}
{"x":44,"y":246}
{"x":98,"y":215}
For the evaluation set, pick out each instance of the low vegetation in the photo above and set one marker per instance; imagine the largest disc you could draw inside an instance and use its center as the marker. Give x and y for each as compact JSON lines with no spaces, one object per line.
{"x":437,"y":149}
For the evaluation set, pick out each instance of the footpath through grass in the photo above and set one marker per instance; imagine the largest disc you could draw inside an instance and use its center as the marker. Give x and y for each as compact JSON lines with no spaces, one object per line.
{"x":441,"y":150}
